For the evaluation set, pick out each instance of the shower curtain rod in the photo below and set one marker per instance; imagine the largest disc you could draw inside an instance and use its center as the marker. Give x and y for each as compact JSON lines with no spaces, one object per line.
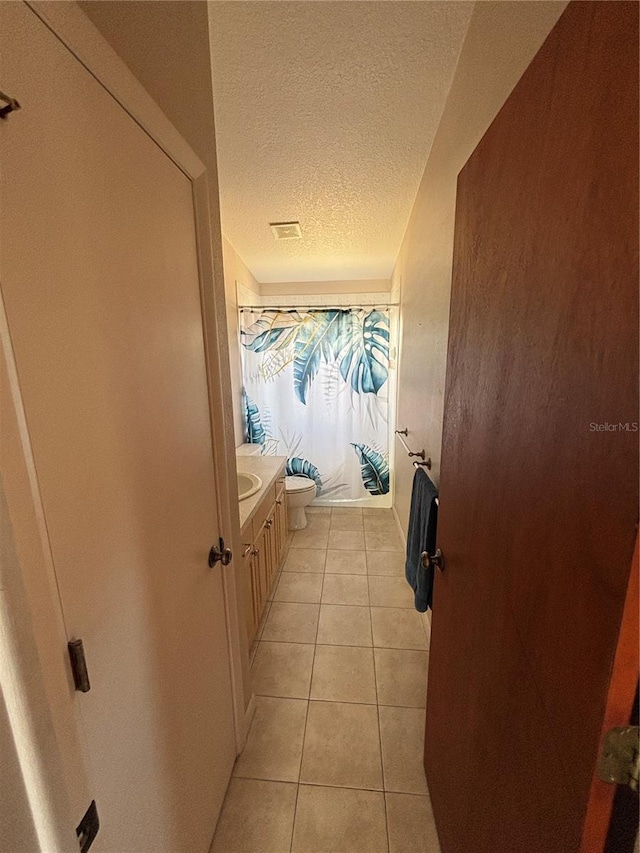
{"x":330,"y":307}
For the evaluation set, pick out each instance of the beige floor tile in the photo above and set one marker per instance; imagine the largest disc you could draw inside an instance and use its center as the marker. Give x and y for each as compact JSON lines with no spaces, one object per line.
{"x":346,"y":522}
{"x":389,"y":592}
{"x":283,"y":669}
{"x":345,"y":589}
{"x":301,"y":587}
{"x":318,"y":521}
{"x":346,"y":540}
{"x":263,"y":622}
{"x":385,"y":523}
{"x":402,"y":737}
{"x":401,"y":677}
{"x":389,"y":563}
{"x":256,"y":815}
{"x":310,"y":538}
{"x":304,"y":560}
{"x":318,"y":510}
{"x":344,"y":674}
{"x":382,"y":540}
{"x":338,"y":820}
{"x":385,"y":512}
{"x":412,"y":828}
{"x":291,"y":623}
{"x":274,"y":745}
{"x":346,"y":563}
{"x":346,"y":510}
{"x":395,"y":628}
{"x":342,"y":625}
{"x":426,"y":622}
{"x":341,"y":746}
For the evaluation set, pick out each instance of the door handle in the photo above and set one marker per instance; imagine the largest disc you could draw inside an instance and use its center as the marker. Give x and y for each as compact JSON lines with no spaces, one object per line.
{"x":220,"y":554}
{"x":436,"y":559}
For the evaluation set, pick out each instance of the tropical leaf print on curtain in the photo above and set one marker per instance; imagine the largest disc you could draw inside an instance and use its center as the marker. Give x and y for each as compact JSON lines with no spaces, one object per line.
{"x":317,"y":382}
{"x":365,"y":357}
{"x":298,"y":467}
{"x":318,"y":338}
{"x":274,"y":334}
{"x":356,"y":343}
{"x":374,"y":469}
{"x":272,"y":330}
{"x":255,"y":430}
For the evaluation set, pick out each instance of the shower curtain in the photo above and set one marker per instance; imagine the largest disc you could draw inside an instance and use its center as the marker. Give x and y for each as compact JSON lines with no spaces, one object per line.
{"x":316,"y":385}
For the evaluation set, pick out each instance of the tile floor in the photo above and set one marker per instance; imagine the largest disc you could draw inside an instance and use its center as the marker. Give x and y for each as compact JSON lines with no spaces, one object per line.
{"x":333,"y":761}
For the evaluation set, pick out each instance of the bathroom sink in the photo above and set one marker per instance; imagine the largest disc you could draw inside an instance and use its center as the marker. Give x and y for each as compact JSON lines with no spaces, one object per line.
{"x":248,"y":484}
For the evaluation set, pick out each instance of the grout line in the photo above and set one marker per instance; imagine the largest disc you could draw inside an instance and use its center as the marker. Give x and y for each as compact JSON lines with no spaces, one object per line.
{"x":306,"y":719}
{"x":343,"y":604}
{"x":349,"y":645}
{"x":341,"y":701}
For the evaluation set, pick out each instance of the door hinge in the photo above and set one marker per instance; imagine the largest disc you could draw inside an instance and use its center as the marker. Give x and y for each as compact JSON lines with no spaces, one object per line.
{"x":79,"y":666}
{"x":88,"y":827}
{"x":620,"y":757}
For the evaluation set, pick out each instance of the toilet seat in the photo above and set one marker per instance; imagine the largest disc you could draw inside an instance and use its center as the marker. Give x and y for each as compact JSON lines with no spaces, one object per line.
{"x":299,"y":484}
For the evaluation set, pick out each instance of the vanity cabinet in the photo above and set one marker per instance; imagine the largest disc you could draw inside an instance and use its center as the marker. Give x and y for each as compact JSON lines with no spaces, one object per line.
{"x":264,"y":540}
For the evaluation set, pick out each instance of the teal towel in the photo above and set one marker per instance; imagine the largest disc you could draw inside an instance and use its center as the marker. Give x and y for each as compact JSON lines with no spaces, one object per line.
{"x":421,"y":536}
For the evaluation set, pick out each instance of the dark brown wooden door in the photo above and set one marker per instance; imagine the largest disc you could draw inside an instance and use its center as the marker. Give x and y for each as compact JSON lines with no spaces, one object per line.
{"x":539,"y":498}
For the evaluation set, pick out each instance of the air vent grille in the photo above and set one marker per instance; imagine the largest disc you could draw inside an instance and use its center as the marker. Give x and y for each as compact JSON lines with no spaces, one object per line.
{"x":286,"y":230}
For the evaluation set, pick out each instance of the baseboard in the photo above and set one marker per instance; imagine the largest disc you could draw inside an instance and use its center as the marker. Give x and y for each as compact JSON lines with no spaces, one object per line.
{"x":401,"y":530}
{"x":249,"y":714}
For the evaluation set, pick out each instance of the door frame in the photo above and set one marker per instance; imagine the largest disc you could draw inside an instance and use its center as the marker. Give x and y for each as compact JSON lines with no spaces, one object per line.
{"x":35,"y":676}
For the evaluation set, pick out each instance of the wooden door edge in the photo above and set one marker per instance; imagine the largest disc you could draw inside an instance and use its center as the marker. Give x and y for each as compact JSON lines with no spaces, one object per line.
{"x":622,"y":688}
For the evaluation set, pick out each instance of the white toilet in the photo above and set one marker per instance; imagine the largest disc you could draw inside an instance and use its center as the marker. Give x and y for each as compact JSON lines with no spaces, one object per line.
{"x":300,"y":492}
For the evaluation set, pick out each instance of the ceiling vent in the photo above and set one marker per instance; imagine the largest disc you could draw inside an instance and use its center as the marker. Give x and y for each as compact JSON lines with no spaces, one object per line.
{"x":286,"y":230}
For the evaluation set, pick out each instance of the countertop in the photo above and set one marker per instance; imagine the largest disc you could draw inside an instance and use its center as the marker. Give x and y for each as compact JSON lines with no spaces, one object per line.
{"x":268,"y":468}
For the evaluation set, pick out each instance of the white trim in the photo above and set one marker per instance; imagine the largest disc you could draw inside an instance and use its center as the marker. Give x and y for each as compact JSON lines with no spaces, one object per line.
{"x":216,"y":403}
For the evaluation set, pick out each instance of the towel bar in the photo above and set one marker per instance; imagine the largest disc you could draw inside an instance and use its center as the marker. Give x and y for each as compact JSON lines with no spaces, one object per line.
{"x":426,"y":462}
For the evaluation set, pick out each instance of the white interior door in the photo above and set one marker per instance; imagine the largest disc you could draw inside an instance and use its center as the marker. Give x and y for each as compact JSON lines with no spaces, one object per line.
{"x":100,"y":279}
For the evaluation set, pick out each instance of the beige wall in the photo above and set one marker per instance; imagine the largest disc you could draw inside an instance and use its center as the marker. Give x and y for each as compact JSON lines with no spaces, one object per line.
{"x":236,"y":272}
{"x":314,"y":288}
{"x":501,"y":41}
{"x":17,"y":832}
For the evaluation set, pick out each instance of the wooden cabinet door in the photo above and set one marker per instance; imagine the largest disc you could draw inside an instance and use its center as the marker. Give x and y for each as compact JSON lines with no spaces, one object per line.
{"x":246,"y":569}
{"x":280,"y":522}
{"x":539,"y":486}
{"x":262,"y":563}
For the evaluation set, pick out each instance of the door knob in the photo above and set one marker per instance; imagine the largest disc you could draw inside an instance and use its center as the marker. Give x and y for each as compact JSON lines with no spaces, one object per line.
{"x":436,"y":559}
{"x":220,"y":554}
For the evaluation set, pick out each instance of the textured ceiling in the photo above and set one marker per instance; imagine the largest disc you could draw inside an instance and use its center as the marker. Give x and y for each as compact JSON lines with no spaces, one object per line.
{"x":325,"y":113}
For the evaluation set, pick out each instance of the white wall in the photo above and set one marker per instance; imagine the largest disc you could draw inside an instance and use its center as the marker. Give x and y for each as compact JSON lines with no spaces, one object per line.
{"x":501,"y":41}
{"x":236,"y":274}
